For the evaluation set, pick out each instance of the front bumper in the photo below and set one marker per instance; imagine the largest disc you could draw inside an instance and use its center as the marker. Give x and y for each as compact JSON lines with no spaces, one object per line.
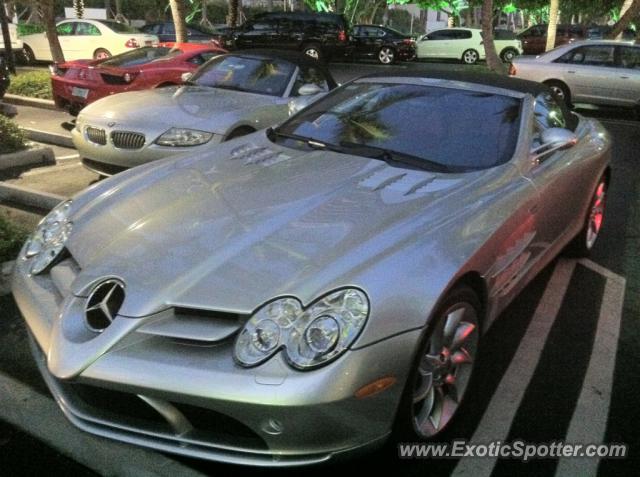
{"x":107,"y":159}
{"x":194,"y":400}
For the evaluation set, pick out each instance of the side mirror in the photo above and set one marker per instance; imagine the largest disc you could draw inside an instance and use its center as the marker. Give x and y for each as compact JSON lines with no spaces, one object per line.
{"x":554,"y":139}
{"x":186,"y":76}
{"x":309,"y":89}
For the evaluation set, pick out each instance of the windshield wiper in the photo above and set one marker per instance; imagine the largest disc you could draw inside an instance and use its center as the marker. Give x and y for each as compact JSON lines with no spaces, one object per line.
{"x":392,"y":157}
{"x":272,"y":133}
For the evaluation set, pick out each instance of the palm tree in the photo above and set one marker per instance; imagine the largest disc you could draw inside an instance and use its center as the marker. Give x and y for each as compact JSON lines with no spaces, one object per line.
{"x":178,"y":12}
{"x":233,"y":13}
{"x":554,"y":6}
{"x":49,"y":19}
{"x":493,"y":62}
{"x":630,"y":9}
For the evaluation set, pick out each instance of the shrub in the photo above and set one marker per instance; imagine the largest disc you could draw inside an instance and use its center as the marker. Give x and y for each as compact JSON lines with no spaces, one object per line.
{"x":35,"y":84}
{"x":12,"y":139}
{"x":11,"y":239}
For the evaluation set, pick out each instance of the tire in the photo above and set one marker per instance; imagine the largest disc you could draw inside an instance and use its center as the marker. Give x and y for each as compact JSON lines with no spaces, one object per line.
{"x":386,"y":55}
{"x":239,"y":132}
{"x":28,"y":57}
{"x":508,"y":54}
{"x":470,"y":57}
{"x":584,"y":242}
{"x":313,"y":50}
{"x":101,"y":53}
{"x":561,"y":91}
{"x":443,"y":367}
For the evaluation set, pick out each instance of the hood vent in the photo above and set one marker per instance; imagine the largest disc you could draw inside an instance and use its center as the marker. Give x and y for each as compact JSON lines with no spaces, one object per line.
{"x":195,"y":326}
{"x":252,"y":154}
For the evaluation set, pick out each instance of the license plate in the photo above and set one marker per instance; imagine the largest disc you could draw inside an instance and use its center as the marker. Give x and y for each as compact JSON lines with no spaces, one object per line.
{"x":80,"y":92}
{"x":148,"y":43}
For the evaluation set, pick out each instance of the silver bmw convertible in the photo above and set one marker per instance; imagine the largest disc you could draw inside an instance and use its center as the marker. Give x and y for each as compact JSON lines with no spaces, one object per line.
{"x":227,"y":97}
{"x":297,"y":294}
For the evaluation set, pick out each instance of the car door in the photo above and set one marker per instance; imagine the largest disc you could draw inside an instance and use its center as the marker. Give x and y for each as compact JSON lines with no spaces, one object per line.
{"x":563,"y":177}
{"x":628,"y":74}
{"x":84,"y":42}
{"x":433,"y":44}
{"x":589,"y":71}
{"x":259,"y":34}
{"x":65,"y":32}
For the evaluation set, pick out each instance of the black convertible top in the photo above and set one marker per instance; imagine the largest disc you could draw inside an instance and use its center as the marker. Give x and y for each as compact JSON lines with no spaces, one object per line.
{"x":485,"y":79}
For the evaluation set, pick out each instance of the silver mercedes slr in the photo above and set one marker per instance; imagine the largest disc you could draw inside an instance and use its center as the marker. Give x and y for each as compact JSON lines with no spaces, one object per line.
{"x":297,"y":294}
{"x":229,"y":96}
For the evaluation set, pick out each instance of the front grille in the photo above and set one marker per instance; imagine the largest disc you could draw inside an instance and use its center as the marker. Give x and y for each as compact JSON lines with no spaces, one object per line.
{"x":96,"y":135}
{"x":127,"y":140}
{"x":126,"y":408}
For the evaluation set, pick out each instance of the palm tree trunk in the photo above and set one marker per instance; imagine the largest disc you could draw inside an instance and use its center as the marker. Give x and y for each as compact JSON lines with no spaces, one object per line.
{"x":493,"y":62}
{"x":8,"y":52}
{"x":554,"y":5}
{"x":233,"y":13}
{"x":178,"y":12}
{"x":630,"y":9}
{"x":49,"y":18}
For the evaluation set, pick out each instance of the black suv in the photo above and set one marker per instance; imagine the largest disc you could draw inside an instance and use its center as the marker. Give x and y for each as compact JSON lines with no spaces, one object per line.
{"x":318,"y":35}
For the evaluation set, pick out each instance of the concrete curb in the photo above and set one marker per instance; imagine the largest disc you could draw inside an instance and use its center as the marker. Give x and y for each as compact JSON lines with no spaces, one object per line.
{"x":6,"y":270}
{"x":34,"y":155}
{"x":33,"y":102}
{"x":29,"y":197}
{"x":8,"y":110}
{"x":39,"y":416}
{"x":46,"y":137}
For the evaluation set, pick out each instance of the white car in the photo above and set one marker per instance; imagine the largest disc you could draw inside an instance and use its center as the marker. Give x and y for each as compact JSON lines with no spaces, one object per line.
{"x":82,"y":39}
{"x":466,"y":44}
{"x":603,"y":72}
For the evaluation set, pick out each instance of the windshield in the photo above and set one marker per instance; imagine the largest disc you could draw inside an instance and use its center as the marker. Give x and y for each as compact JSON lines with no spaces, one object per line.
{"x":451,"y":128}
{"x":119,"y":27}
{"x":254,"y":75}
{"x":140,"y":56}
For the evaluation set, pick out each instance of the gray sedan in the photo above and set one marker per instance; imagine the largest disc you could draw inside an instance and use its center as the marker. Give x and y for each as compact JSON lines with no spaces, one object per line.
{"x":597,"y":72}
{"x":295,"y":294}
{"x":229,"y":96}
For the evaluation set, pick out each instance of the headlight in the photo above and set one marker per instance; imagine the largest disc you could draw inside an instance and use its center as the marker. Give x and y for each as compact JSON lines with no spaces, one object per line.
{"x":179,"y":137}
{"x":311,"y":336}
{"x":49,"y":238}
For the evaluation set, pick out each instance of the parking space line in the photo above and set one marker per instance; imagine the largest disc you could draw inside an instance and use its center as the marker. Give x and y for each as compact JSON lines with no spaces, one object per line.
{"x":589,"y":421}
{"x":497,"y":419}
{"x":40,"y":416}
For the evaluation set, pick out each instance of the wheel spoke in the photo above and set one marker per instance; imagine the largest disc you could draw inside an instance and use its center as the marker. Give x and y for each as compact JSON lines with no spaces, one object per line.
{"x":463,"y":332}
{"x":461,"y":356}
{"x":451,"y":324}
{"x":426,"y":386}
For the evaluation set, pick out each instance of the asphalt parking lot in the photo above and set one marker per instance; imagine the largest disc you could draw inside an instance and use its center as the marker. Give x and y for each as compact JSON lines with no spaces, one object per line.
{"x":560,"y":364}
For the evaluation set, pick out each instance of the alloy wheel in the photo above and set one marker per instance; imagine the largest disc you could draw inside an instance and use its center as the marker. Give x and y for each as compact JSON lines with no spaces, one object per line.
{"x":444,"y":370}
{"x":596,"y":214}
{"x":470,"y":57}
{"x":386,"y":56}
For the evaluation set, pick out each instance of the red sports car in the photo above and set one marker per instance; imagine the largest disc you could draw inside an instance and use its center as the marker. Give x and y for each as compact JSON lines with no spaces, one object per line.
{"x":78,"y":83}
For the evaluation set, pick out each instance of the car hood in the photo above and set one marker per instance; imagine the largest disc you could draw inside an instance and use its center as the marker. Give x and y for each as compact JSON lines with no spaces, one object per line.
{"x":187,"y":106}
{"x":251,"y":221}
